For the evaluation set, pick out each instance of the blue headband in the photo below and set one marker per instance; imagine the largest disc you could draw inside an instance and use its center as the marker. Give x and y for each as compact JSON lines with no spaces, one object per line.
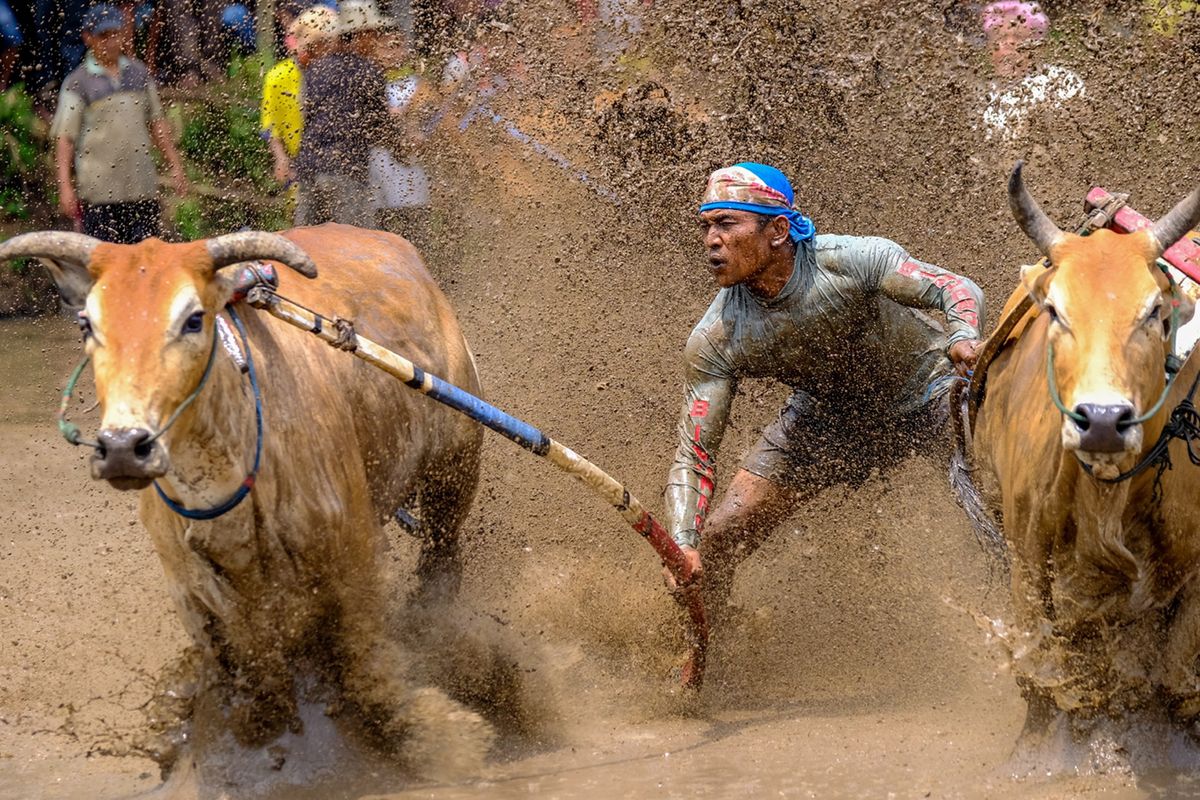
{"x":759,"y":189}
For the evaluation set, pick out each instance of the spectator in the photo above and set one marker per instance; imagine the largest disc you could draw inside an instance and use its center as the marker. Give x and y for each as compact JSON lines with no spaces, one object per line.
{"x":237,"y":27}
{"x":187,"y":43}
{"x":108,"y":112}
{"x":10,"y":41}
{"x":282,"y":120}
{"x":1014,"y":29}
{"x":345,"y":114}
{"x":399,"y":183}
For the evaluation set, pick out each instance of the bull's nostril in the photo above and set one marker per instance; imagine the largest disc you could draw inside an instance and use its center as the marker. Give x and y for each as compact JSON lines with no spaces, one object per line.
{"x":124,"y":449}
{"x":1102,"y":426}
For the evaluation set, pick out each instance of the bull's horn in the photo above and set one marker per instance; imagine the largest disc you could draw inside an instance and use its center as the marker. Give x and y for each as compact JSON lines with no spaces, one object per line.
{"x":65,"y":255}
{"x":250,"y":245}
{"x":61,"y":246}
{"x":1178,"y":221}
{"x":1029,"y":215}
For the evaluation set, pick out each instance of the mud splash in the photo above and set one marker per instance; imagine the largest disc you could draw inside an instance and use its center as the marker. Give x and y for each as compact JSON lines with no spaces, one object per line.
{"x":851,"y":670}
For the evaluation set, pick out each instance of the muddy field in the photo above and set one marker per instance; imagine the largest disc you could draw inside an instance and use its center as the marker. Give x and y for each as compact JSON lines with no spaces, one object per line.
{"x":857,"y":668}
{"x":858,"y":664}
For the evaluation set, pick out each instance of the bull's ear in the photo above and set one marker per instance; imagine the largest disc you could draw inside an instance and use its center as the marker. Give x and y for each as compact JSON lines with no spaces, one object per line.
{"x":1186,"y":299}
{"x":65,"y":253}
{"x":73,"y":280}
{"x":1034,"y":278}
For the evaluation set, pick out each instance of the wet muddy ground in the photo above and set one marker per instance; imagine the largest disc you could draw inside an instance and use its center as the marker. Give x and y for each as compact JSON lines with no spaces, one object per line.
{"x":856,"y":666}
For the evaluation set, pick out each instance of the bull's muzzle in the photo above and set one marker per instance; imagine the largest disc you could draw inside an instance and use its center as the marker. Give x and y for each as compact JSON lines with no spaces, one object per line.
{"x":128,"y":458}
{"x":1105,"y":428}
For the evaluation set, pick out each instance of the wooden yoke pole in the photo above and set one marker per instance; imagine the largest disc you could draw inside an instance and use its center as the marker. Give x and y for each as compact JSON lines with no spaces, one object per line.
{"x":341,"y":335}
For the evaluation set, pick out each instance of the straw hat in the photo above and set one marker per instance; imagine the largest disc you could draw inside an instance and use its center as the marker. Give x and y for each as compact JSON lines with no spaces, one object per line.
{"x":355,"y":16}
{"x":314,"y":25}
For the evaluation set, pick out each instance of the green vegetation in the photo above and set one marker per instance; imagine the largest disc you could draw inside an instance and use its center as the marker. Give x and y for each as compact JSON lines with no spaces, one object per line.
{"x":22,"y":141}
{"x":227,"y":160}
{"x":24,"y":192}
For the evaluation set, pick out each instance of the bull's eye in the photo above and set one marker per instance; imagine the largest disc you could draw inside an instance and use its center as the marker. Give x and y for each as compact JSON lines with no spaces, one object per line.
{"x":1051,"y":312}
{"x":85,"y":325}
{"x":1155,"y":318}
{"x":194,"y":323}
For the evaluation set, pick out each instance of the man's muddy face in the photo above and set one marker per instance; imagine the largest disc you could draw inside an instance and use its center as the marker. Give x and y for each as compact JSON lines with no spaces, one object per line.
{"x":738,"y":244}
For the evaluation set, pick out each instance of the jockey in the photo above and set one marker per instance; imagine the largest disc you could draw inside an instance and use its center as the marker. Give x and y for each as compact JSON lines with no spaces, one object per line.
{"x":834,"y":319}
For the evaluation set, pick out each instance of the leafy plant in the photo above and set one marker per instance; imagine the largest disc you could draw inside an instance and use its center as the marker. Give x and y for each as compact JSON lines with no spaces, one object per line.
{"x":227,"y":158}
{"x":21,"y":179}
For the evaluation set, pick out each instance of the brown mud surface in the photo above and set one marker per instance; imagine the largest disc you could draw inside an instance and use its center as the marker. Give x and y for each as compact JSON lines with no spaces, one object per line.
{"x":856,"y":667}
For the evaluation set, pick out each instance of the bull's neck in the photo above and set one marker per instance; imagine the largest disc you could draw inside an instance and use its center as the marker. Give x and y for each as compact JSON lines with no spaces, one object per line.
{"x":212,"y":444}
{"x":1102,"y":522}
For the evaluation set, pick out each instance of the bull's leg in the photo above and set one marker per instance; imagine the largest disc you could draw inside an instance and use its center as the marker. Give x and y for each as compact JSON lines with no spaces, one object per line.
{"x":1038,"y":660}
{"x":434,"y":736}
{"x":446,"y":494}
{"x":1181,"y":678}
{"x":256,"y":681}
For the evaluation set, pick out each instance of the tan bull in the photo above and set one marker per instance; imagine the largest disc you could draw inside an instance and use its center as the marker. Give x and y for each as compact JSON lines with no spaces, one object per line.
{"x":1104,"y":571}
{"x":289,"y":579}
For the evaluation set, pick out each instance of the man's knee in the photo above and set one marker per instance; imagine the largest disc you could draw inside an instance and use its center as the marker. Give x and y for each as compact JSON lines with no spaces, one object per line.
{"x":751,"y":508}
{"x":751,"y":497}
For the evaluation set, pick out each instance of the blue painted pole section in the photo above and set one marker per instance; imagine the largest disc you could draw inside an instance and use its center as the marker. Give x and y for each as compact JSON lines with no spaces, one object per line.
{"x":484,"y":413}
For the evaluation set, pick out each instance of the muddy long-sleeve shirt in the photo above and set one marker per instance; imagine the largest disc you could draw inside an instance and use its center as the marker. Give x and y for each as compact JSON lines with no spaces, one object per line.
{"x":843,"y":329}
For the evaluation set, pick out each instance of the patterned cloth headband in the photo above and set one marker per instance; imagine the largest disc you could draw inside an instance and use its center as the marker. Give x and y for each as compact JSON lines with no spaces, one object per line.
{"x":757,"y":188}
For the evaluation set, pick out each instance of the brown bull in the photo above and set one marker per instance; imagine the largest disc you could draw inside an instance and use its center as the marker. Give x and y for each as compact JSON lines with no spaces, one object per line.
{"x":290,"y":576}
{"x":1104,"y":572}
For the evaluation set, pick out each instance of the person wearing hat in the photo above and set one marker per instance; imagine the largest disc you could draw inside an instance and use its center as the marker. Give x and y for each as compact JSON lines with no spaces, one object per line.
{"x":281,"y":116}
{"x":400,"y":184}
{"x":345,"y":114}
{"x":108,"y":114}
{"x":833,"y":318}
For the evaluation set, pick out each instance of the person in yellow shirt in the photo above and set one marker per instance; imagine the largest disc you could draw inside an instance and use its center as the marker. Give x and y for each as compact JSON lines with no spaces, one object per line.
{"x":281,"y":119}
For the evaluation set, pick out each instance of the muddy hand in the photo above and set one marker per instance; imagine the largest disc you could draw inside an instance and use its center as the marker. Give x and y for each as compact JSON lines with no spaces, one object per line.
{"x":693,"y":572}
{"x":963,"y":355}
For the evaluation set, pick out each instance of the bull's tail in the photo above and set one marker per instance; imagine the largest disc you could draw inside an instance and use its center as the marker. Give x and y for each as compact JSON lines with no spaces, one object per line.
{"x":962,"y":483}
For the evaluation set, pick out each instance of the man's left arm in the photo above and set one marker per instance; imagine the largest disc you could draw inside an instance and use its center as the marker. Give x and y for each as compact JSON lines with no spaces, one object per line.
{"x":917,"y":284}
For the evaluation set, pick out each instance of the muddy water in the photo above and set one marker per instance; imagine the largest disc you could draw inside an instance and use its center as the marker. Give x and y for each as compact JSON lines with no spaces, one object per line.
{"x":853,"y":669}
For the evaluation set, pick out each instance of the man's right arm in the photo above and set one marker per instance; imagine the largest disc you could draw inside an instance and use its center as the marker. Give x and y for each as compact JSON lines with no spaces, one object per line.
{"x":68,"y":122}
{"x":710,"y":387}
{"x":64,"y":157}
